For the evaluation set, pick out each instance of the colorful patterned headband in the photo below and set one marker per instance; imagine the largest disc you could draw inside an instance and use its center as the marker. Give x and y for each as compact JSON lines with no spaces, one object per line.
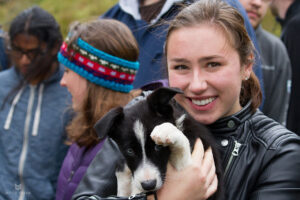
{"x":97,"y":66}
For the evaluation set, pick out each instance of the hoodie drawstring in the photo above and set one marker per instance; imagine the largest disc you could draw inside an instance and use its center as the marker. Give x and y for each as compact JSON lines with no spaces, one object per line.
{"x":37,"y":115}
{"x":12,"y":108}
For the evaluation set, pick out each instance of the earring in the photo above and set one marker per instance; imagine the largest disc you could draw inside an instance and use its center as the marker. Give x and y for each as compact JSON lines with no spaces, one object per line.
{"x":246,"y":78}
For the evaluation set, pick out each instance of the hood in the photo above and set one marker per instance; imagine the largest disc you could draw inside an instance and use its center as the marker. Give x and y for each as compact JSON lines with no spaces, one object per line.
{"x":132,"y":7}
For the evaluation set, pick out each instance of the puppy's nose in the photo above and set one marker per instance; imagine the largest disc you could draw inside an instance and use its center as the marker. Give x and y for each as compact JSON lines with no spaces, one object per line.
{"x":149,"y":184}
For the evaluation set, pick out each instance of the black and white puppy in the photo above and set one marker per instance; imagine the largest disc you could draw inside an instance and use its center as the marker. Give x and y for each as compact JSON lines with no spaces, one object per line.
{"x":151,"y":133}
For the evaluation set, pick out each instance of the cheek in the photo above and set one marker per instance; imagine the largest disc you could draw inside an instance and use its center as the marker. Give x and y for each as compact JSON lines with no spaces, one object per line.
{"x":80,"y":89}
{"x":176,"y":80}
{"x":228,"y":83}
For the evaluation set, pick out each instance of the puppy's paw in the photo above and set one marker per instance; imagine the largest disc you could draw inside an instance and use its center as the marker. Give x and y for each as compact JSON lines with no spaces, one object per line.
{"x":166,"y":134}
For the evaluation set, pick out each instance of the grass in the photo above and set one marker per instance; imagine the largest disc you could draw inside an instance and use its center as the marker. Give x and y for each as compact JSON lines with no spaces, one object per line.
{"x":64,"y":11}
{"x":67,"y":11}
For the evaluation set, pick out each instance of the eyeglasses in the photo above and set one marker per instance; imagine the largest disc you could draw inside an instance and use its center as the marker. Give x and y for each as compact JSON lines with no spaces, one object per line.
{"x":31,"y":54}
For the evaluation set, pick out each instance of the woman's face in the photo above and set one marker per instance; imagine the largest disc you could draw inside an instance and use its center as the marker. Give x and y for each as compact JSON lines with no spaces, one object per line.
{"x":76,"y":85}
{"x":25,"y":49}
{"x":202,"y":63}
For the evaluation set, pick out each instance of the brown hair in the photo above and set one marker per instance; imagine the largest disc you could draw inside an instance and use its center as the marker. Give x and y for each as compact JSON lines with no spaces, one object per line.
{"x":231,"y":22}
{"x":112,"y":37}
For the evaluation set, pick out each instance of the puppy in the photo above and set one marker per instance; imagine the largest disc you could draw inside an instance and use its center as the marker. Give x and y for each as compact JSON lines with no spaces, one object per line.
{"x":151,"y":133}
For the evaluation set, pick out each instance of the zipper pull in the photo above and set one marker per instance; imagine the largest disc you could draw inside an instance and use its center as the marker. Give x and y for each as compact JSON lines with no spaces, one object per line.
{"x":234,"y":153}
{"x":236,"y":149}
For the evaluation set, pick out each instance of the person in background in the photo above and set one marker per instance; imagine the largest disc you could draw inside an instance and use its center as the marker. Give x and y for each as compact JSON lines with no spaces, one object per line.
{"x":100,"y":59}
{"x":276,"y":65}
{"x":210,"y":57}
{"x":32,"y":112}
{"x":4,"y":64}
{"x":288,"y":15}
{"x":146,"y":19}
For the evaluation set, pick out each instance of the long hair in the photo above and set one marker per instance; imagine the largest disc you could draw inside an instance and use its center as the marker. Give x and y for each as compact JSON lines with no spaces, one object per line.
{"x":112,"y":37}
{"x":231,"y":22}
{"x":39,"y":23}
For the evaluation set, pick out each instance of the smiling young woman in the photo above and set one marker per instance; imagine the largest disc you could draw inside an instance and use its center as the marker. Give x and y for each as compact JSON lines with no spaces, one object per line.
{"x":209,"y":56}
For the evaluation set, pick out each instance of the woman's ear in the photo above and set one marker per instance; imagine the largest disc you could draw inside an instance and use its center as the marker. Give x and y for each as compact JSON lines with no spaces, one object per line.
{"x":248,"y":68}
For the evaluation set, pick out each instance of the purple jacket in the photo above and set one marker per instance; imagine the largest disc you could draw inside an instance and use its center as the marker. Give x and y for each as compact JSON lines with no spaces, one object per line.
{"x":74,"y":167}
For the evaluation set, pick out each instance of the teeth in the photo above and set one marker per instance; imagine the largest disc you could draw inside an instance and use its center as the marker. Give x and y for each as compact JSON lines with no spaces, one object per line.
{"x":203,"y":101}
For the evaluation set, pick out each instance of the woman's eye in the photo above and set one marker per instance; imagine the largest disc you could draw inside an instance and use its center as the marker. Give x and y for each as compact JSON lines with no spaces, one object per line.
{"x":157,"y":147}
{"x":180,"y":67}
{"x":213,"y":64}
{"x":130,"y":152}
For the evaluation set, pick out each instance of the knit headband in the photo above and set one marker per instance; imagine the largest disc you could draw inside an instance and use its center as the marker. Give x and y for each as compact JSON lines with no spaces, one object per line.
{"x":97,"y":66}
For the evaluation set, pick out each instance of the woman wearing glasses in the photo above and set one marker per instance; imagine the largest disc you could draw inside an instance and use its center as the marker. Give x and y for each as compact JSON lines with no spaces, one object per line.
{"x":32,"y":106}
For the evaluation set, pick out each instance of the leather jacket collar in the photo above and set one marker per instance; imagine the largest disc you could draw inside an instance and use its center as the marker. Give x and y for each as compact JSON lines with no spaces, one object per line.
{"x":227,"y":126}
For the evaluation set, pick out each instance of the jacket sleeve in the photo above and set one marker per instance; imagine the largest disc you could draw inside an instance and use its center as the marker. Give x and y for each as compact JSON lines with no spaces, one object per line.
{"x":292,"y":41}
{"x":100,"y":176}
{"x":278,"y":79}
{"x":283,"y":76}
{"x":280,"y":174}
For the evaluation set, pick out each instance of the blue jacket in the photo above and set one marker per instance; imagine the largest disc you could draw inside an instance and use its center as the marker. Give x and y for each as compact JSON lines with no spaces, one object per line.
{"x":3,"y":55}
{"x":151,"y":37}
{"x":31,"y":137}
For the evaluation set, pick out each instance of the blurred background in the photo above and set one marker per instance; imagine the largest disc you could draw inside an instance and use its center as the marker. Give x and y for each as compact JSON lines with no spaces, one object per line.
{"x":67,"y":11}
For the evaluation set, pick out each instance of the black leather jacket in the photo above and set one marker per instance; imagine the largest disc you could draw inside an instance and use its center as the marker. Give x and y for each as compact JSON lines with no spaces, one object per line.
{"x":261,"y":160}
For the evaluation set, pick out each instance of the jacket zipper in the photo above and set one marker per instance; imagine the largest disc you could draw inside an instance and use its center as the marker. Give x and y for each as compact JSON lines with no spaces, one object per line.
{"x":234,"y":153}
{"x":25,"y":141}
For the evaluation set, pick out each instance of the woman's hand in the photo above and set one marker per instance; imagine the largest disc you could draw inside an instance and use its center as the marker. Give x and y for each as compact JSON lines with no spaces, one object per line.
{"x":197,"y":181}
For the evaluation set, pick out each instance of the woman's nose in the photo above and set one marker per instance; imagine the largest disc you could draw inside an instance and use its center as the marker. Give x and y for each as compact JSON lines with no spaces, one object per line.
{"x":198,"y":83}
{"x":63,"y":81}
{"x":24,"y":60}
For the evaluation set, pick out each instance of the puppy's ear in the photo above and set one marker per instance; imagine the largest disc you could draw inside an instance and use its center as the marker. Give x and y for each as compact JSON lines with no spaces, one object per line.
{"x":159,"y":99}
{"x":104,"y":126}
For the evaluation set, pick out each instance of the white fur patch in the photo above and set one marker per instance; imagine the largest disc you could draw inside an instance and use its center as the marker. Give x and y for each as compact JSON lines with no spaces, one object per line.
{"x":139,"y":131}
{"x":167,"y":134}
{"x":146,"y":170}
{"x":179,"y":122}
{"x":124,"y":179}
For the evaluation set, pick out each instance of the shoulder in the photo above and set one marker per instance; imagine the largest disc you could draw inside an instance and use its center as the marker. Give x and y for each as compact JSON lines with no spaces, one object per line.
{"x":8,"y":79}
{"x":272,"y":39}
{"x":112,"y":12}
{"x":105,"y":183}
{"x":7,"y":74}
{"x":53,"y":84}
{"x":292,"y":28}
{"x":271,"y":134}
{"x":294,"y":21}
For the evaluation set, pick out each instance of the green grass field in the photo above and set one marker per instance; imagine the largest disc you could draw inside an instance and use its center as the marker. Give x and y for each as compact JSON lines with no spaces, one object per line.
{"x":67,"y":11}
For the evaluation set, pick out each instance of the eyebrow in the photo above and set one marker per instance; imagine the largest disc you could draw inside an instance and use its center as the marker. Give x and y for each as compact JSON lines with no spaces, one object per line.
{"x":208,"y":58}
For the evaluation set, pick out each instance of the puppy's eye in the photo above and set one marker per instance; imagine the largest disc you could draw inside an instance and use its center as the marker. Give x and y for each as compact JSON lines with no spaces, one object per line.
{"x":130,"y":152}
{"x":158,"y":147}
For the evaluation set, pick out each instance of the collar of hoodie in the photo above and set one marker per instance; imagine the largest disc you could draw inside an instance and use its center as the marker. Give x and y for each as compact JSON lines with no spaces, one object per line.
{"x":37,"y":115}
{"x":132,"y":7}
